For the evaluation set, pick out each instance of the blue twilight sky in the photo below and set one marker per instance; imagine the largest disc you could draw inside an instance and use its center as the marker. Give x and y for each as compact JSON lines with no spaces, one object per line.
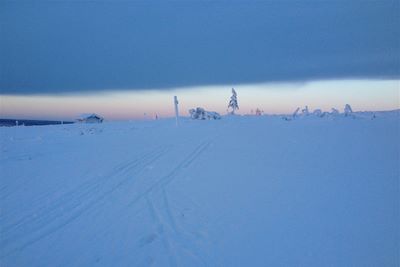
{"x":153,"y":48}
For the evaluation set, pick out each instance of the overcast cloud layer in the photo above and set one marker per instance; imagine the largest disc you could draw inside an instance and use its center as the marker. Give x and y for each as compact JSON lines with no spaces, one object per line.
{"x":75,"y":46}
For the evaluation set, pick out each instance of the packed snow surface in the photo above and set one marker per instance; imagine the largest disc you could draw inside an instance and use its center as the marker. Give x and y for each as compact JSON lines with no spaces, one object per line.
{"x":240,"y":191}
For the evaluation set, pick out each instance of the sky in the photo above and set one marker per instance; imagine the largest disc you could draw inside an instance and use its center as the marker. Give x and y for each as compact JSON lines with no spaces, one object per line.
{"x":278,"y":98}
{"x":125,"y":59}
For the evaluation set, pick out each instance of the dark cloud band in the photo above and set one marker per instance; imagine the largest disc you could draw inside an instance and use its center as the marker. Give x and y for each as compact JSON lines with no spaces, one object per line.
{"x":75,"y":46}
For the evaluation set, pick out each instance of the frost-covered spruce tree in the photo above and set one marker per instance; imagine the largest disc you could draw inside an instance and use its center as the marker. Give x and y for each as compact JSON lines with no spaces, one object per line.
{"x":317,"y":112}
{"x":305,"y":111}
{"x":334,"y":111}
{"x":295,"y":113}
{"x":347,"y":110}
{"x":233,"y":104}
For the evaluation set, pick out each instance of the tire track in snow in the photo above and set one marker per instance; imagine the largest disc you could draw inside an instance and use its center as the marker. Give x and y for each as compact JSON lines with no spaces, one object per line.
{"x":70,"y":206}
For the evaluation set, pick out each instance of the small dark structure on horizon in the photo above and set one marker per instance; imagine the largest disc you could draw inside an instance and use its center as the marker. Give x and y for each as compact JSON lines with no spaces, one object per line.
{"x":90,"y":118}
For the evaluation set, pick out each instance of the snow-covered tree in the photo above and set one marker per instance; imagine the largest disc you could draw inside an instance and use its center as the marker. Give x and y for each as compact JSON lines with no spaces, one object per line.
{"x":347,"y":110}
{"x":317,"y":112}
{"x":334,"y":111}
{"x":202,"y":114}
{"x":295,"y":113}
{"x":233,"y":104}
{"x":305,"y":111}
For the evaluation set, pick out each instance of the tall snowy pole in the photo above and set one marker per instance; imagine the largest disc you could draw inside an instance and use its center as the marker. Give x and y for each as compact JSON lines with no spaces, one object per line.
{"x":176,"y":109}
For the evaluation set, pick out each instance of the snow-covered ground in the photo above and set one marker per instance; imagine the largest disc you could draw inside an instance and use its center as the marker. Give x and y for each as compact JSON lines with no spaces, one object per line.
{"x":240,"y":191}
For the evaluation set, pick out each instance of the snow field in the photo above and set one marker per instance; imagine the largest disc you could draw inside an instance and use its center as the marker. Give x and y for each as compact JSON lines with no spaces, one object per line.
{"x":241,"y":191}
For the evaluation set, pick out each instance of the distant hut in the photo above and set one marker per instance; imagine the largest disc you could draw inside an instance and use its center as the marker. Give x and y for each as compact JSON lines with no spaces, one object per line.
{"x":90,"y":118}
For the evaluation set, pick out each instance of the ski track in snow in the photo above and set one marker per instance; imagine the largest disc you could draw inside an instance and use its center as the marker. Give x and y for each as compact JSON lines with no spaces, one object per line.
{"x":180,"y":234}
{"x":72,"y":205}
{"x":158,"y":221}
{"x":162,"y":182}
{"x":172,"y":237}
{"x":91,"y":194}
